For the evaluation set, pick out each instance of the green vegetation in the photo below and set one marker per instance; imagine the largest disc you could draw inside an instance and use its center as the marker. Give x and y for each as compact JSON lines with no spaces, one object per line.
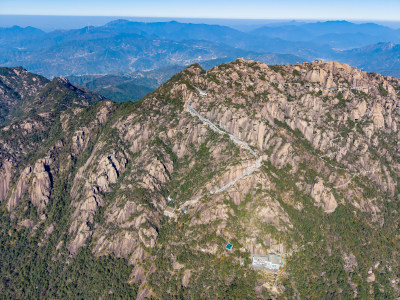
{"x":277,"y":68}
{"x":213,"y":77}
{"x":325,"y":256}
{"x":35,"y":265}
{"x":28,"y":271}
{"x":326,"y":239}
{"x":296,"y":73}
{"x":342,"y":102}
{"x":212,"y":276}
{"x":181,"y":185}
{"x":382,"y":91}
{"x":275,"y":85}
{"x":262,"y":77}
{"x":125,"y":92}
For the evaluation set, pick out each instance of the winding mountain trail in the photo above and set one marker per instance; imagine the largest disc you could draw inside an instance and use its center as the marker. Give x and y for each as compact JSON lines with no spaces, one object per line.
{"x":250,"y":170}
{"x":214,"y":127}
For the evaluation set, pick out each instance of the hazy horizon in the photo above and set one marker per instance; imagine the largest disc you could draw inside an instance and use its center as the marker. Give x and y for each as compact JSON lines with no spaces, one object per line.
{"x":211,"y":9}
{"x":53,"y":22}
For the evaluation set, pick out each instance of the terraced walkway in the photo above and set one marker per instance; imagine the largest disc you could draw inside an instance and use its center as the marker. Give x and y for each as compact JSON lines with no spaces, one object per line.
{"x":250,"y":170}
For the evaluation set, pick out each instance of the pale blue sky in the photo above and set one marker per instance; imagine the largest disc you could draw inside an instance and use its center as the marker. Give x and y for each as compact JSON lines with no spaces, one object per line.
{"x":246,"y":9}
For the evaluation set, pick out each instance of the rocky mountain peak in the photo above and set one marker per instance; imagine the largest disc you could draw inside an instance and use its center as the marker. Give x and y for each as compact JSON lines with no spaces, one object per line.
{"x":213,"y":173}
{"x":62,"y":80}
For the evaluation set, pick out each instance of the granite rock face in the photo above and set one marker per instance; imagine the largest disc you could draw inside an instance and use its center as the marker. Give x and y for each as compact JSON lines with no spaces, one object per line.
{"x":323,"y":196}
{"x":41,"y":183}
{"x":5,"y":179}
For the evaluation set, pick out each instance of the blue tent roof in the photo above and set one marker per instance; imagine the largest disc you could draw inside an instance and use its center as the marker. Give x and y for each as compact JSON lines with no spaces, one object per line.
{"x":228,"y":247}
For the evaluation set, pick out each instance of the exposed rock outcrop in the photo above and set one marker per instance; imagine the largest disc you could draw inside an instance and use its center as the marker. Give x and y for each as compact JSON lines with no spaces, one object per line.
{"x":5,"y":178}
{"x":323,"y":196}
{"x":41,"y":183}
{"x":20,"y":189}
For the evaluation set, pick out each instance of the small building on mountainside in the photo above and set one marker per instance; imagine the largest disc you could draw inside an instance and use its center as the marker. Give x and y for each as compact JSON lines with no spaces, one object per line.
{"x":271,"y":262}
{"x":169,"y":212}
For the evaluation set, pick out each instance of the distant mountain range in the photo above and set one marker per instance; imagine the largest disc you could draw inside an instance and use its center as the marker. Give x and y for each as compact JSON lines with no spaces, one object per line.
{"x":123,"y":46}
{"x":129,"y":47}
{"x":336,"y":34}
{"x":382,"y":58}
